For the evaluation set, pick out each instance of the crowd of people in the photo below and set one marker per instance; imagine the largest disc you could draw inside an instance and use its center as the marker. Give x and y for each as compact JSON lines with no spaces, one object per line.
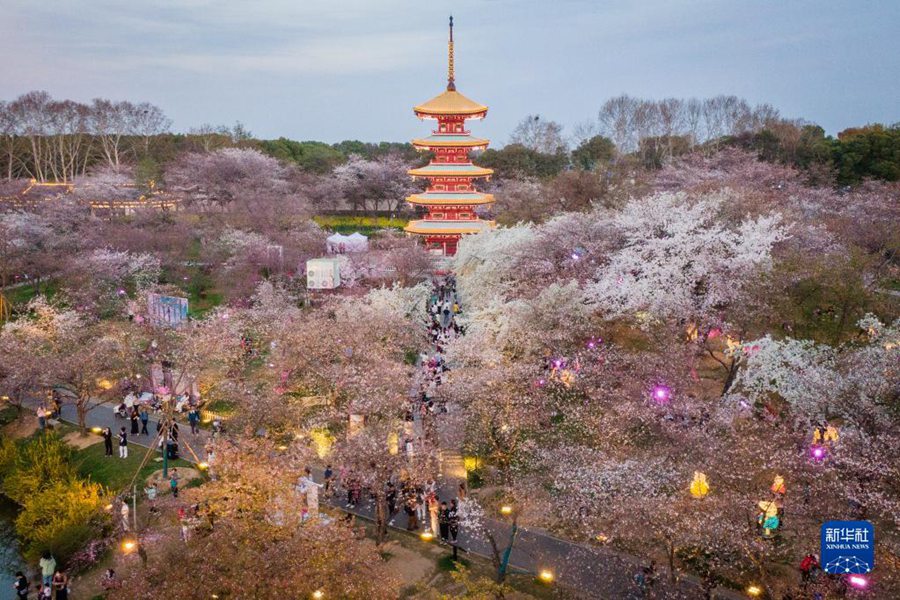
{"x":421,"y":503}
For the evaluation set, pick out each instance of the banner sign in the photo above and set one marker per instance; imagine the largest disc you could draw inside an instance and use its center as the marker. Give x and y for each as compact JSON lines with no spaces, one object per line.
{"x":166,"y":310}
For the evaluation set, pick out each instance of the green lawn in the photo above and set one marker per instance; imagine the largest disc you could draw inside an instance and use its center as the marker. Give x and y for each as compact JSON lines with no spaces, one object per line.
{"x":19,"y":296}
{"x":366,"y":225}
{"x":8,"y":414}
{"x":116,"y":473}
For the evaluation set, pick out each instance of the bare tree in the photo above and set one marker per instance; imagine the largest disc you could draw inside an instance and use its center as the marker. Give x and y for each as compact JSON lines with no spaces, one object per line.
{"x":539,"y":135}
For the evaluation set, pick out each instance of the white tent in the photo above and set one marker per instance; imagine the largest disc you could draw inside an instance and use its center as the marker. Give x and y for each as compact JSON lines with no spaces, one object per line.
{"x":339,"y":244}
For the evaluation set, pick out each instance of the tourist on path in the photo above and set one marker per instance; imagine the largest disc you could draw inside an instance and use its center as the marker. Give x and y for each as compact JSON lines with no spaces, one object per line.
{"x":194,"y":420}
{"x":21,"y":585}
{"x":123,"y":444}
{"x":134,"y":421}
{"x":145,"y":418}
{"x":48,"y":567}
{"x":61,"y":585}
{"x":453,"y":518}
{"x":173,"y":483}
{"x":444,"y":522}
{"x":42,"y":417}
{"x":107,"y":441}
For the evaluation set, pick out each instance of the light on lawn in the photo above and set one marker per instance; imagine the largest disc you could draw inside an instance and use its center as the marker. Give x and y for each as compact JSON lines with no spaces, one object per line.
{"x":282,"y":447}
{"x":754,"y":590}
{"x":858,"y":582}
{"x":202,"y":466}
{"x":426,"y":535}
{"x":318,"y":594}
{"x":108,"y":507}
{"x":546,"y":576}
{"x":96,"y":430}
{"x":129,"y":545}
{"x":506,"y":509}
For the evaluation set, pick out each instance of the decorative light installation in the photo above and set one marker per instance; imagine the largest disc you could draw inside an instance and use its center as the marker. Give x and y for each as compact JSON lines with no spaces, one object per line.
{"x":699,"y":486}
{"x":426,"y":535}
{"x":506,"y":509}
{"x":754,"y":590}
{"x":546,"y":576}
{"x":858,"y":581}
{"x":817,"y":452}
{"x":661,"y":394}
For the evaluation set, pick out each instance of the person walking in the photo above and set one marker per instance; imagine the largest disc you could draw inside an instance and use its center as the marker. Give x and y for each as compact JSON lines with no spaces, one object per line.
{"x":125,"y":513}
{"x":453,"y":520}
{"x":444,"y":522}
{"x":42,"y":417}
{"x":135,"y":421}
{"x":194,"y":420}
{"x":173,"y":483}
{"x":434,"y":510}
{"x":61,"y":585}
{"x":329,"y":480}
{"x":107,"y":442}
{"x":48,"y":567}
{"x":21,"y":585}
{"x":145,"y":419}
{"x":123,"y":444}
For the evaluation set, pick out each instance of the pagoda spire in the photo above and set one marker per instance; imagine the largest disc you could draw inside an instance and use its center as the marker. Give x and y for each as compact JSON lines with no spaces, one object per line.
{"x":451,"y":82}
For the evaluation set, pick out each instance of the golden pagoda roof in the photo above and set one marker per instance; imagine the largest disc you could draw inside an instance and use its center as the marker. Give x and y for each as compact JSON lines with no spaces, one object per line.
{"x":450,"y":198}
{"x":426,"y":226}
{"x":450,"y":140}
{"x":450,"y":102}
{"x":450,"y":170}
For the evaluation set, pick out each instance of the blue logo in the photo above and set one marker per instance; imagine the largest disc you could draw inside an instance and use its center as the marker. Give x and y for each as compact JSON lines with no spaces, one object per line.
{"x":848,"y":547}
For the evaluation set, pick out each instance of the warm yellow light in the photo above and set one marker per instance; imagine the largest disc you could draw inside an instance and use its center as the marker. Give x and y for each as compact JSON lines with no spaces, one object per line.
{"x":754,"y":590}
{"x":470,"y":463}
{"x":426,"y":535}
{"x":506,"y":509}
{"x":202,"y":466}
{"x":699,"y":486}
{"x":105,"y":384}
{"x":545,"y":576}
{"x":318,"y":594}
{"x":97,"y":429}
{"x":393,"y":443}
{"x":129,"y":545}
{"x":108,"y":507}
{"x":207,"y":419}
{"x":602,"y":538}
{"x":282,"y":447}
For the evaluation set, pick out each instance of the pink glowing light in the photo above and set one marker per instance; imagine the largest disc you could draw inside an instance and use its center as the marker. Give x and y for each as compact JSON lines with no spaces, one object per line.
{"x":818,"y":452}
{"x":592,"y":345}
{"x":541,"y":382}
{"x":858,"y":582}
{"x":662,"y":394}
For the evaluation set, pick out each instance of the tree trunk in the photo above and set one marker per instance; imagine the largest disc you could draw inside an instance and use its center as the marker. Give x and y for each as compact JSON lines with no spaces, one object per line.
{"x":381,"y":519}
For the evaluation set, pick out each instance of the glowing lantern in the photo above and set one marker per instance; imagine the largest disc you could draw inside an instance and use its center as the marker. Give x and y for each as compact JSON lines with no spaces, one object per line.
{"x":546,"y":576}
{"x":778,"y":485}
{"x":817,"y":452}
{"x":699,"y":486}
{"x":470,"y":463}
{"x":129,"y":546}
{"x":318,"y":594}
{"x":831,"y":434}
{"x":202,"y":466}
{"x":768,"y":517}
{"x":506,"y":509}
{"x":426,"y":535}
{"x":97,"y":429}
{"x":754,"y":590}
{"x":858,"y":582}
{"x":662,"y":394}
{"x":393,"y":443}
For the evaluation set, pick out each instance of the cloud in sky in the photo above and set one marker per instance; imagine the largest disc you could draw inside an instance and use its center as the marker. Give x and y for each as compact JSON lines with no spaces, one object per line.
{"x":335,"y":69}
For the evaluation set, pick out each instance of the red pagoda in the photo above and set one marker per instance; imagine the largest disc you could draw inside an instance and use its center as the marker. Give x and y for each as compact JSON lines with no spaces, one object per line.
{"x":451,"y":197}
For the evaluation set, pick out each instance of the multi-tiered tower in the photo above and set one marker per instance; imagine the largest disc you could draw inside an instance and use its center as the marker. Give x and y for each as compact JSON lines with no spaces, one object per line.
{"x":451,"y":197}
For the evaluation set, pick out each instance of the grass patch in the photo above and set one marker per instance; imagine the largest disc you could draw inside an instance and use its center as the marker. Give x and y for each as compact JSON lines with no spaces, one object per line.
{"x":116,"y":473}
{"x":18,"y":296}
{"x":8,"y":414}
{"x":446,"y":563}
{"x":365,"y":225}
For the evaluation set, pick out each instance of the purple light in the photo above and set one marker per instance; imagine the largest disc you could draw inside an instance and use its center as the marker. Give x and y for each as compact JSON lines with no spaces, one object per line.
{"x":575,"y":256}
{"x":120,"y":291}
{"x":661,"y":394}
{"x":858,"y":582}
{"x":818,"y":452}
{"x":541,"y":382}
{"x":591,"y":345}
{"x":557,"y":363}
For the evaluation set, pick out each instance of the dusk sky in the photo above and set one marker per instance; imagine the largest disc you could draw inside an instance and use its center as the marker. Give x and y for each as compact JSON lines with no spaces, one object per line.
{"x":353,"y":69}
